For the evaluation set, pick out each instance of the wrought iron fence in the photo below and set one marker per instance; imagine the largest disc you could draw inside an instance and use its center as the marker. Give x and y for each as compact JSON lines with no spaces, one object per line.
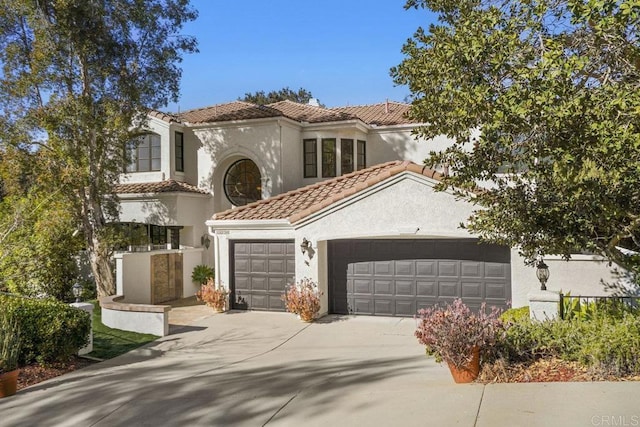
{"x":581,"y":306}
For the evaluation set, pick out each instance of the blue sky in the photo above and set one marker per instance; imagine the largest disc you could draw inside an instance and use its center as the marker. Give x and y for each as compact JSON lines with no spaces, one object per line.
{"x":340,"y":50}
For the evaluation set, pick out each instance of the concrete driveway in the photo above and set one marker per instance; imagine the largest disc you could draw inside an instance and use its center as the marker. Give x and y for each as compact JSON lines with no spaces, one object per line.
{"x":255,"y":369}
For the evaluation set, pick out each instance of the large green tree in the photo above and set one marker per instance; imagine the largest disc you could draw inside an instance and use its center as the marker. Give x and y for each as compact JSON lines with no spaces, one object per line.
{"x":302,"y":96}
{"x":543,"y":100}
{"x":77,"y":81}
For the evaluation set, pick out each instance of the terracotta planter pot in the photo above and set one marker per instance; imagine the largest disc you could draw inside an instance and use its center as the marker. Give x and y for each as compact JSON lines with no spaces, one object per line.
{"x":468,"y":373}
{"x":9,"y":383}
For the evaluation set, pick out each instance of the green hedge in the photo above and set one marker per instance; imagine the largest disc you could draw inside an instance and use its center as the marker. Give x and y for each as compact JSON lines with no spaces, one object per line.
{"x":50,"y":330}
{"x":608,"y":343}
{"x":515,"y":314}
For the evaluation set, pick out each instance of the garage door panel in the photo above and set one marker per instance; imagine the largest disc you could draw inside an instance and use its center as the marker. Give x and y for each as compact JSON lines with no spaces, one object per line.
{"x":259,"y":249}
{"x":405,"y":307}
{"x":384,"y":307}
{"x":496,"y":290}
{"x":405,"y":268}
{"x":363,"y":268}
{"x":362,"y":286}
{"x":258,"y":283}
{"x":471,"y":269}
{"x":448,"y":269}
{"x":493,"y":270}
{"x":261,"y":272}
{"x":277,"y":284}
{"x":363,"y":306}
{"x":426,"y":268}
{"x":290,"y":267}
{"x":383,"y":268}
{"x":448,"y":289}
{"x":258,"y":301}
{"x":241,"y":266}
{"x":277,"y":249}
{"x":383,"y":287}
{"x":243,"y":283}
{"x":471,"y":290}
{"x":258,"y":266}
{"x":427,"y":289}
{"x":242,"y":249}
{"x":405,"y":288}
{"x":399,"y":277}
{"x":276,"y":303}
{"x":277,"y":266}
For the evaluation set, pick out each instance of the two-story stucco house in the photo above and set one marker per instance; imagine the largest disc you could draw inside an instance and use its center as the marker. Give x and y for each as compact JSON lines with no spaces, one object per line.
{"x":271,"y":193}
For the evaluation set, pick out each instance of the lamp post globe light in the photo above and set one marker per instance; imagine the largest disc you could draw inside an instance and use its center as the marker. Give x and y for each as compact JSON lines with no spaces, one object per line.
{"x":77,"y":291}
{"x":542,"y":272}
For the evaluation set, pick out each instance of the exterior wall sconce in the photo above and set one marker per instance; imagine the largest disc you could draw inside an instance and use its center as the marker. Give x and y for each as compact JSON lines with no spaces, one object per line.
{"x":205,"y":241}
{"x":305,"y":245}
{"x":542,"y":272}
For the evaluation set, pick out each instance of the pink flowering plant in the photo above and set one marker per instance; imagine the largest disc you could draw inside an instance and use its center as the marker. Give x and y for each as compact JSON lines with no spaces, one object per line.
{"x":452,"y":332}
{"x":303,"y":298}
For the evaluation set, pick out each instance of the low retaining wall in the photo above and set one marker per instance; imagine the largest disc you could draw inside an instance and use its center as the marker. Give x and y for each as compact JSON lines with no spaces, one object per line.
{"x":141,"y":318}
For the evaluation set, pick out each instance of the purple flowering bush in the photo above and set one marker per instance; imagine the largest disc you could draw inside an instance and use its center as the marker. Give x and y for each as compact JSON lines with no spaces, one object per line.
{"x":452,"y":332}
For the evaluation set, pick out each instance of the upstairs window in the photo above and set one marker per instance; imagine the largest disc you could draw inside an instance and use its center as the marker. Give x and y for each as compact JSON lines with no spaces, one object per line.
{"x":329,"y":157}
{"x":362,"y":154}
{"x":310,"y":158}
{"x":179,"y":151}
{"x":144,"y":154}
{"x":346,"y":153}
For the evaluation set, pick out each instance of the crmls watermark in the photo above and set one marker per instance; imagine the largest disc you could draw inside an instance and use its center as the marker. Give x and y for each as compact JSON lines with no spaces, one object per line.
{"x":615,"y":420}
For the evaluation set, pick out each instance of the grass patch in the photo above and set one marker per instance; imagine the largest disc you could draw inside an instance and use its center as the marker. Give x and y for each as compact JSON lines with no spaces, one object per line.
{"x":109,"y":343}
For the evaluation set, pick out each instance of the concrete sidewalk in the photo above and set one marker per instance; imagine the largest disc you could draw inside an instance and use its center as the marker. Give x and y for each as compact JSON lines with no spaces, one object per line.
{"x":256,"y":368}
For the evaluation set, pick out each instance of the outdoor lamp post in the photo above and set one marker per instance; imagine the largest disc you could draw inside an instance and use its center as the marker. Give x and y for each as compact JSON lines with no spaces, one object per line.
{"x":77,"y":291}
{"x":542,"y":271}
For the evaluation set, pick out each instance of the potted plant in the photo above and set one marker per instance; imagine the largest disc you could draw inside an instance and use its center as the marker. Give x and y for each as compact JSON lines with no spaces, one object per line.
{"x":303,"y":299}
{"x":202,"y":273}
{"x":455,"y":334}
{"x":214,"y":296}
{"x":10,"y":346}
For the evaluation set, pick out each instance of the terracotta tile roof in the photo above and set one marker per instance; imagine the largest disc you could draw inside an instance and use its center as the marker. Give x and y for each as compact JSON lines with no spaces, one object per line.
{"x":167,"y":117}
{"x":309,"y":113}
{"x":168,"y":186}
{"x":383,"y":114}
{"x":236,"y":110}
{"x":298,"y":204}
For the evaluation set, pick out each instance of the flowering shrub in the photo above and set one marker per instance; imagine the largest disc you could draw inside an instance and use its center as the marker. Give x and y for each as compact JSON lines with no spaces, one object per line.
{"x":303,"y":299}
{"x":215,"y":297}
{"x":451,"y":333}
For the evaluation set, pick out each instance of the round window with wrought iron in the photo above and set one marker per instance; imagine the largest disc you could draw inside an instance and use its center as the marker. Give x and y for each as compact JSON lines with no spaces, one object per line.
{"x":242,"y":183}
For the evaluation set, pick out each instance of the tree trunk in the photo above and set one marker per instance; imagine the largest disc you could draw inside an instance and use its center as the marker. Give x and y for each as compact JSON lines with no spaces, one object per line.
{"x":97,"y":249}
{"x":101,"y":267}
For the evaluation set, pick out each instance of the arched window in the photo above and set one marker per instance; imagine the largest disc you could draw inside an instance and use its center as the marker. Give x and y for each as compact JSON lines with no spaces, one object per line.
{"x":242,"y":183}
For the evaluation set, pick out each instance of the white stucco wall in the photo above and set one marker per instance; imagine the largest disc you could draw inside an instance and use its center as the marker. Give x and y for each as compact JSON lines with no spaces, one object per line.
{"x":397,"y":143}
{"x":225,"y":143}
{"x":581,"y":275}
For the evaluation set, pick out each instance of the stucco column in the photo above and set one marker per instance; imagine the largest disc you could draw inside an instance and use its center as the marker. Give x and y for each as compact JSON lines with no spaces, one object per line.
{"x":543,"y":305}
{"x":89,"y":309}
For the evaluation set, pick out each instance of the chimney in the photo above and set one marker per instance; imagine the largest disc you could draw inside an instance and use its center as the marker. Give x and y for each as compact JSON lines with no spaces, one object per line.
{"x":313,"y":102}
{"x":386,"y":107}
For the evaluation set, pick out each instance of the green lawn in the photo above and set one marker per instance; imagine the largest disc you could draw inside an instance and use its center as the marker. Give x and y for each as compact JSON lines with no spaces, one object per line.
{"x":109,"y":343}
